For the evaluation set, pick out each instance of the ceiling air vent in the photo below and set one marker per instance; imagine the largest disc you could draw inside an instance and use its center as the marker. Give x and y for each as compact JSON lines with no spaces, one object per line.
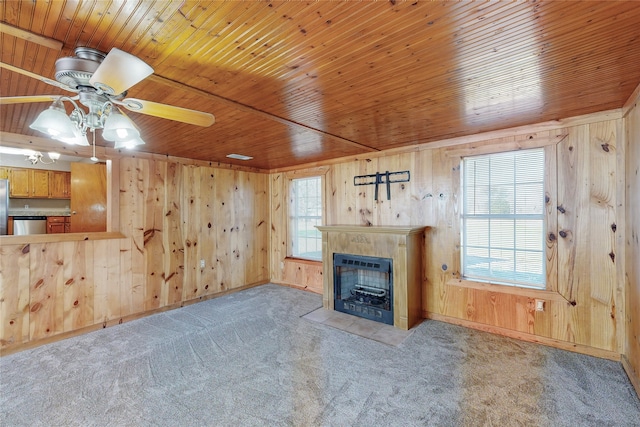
{"x":239,"y":157}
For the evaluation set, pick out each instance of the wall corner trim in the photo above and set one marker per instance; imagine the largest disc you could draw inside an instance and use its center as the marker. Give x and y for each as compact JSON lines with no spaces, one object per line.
{"x":633,"y":376}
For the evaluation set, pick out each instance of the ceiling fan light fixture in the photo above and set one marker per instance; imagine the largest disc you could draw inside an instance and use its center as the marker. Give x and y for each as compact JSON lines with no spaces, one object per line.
{"x":133,"y":142}
{"x":118,"y":127}
{"x":101,"y":82}
{"x":54,"y":122}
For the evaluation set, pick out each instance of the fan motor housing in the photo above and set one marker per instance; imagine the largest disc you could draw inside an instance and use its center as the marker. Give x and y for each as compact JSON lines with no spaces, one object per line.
{"x":77,"y":70}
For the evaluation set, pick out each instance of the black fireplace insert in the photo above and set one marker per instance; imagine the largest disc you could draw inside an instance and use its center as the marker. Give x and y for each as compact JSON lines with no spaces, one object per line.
{"x":363,"y":286}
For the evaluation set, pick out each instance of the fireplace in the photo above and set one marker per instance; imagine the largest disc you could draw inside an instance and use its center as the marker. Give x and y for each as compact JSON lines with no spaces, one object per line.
{"x":364,"y":286}
{"x":397,"y":249}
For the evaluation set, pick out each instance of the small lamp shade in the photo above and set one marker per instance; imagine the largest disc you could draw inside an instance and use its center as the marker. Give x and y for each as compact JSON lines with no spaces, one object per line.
{"x":54,"y":122}
{"x":117,"y":127}
{"x":78,"y":138}
{"x":119,"y":71}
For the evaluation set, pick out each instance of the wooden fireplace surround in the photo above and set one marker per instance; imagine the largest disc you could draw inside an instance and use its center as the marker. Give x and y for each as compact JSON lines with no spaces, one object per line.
{"x":404,"y":245}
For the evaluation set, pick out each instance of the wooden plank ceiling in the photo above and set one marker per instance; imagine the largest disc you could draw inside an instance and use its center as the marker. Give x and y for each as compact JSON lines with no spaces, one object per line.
{"x":292,"y":83}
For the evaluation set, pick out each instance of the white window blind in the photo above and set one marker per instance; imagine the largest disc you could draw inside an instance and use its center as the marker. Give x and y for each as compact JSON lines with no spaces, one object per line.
{"x":503,"y":218}
{"x":305,"y":215}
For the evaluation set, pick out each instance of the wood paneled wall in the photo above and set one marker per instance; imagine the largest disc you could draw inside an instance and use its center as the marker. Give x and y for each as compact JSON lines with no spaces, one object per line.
{"x":172,"y":215}
{"x":632,"y":241}
{"x":584,"y":304}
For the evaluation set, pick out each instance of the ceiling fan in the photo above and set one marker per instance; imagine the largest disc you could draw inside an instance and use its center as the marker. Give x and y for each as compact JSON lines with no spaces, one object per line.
{"x":100,"y":82}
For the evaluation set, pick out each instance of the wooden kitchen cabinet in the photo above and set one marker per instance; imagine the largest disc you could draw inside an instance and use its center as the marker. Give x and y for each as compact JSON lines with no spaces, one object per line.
{"x":19,"y":182}
{"x":39,"y":183}
{"x":59,"y":185}
{"x":4,"y":172}
{"x":58,"y":224}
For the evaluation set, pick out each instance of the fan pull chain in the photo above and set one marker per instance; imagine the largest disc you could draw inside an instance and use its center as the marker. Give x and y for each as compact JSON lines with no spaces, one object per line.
{"x":94,"y":158}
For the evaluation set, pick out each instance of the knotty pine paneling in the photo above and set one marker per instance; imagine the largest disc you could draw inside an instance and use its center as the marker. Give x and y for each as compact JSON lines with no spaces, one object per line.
{"x":584,"y":168}
{"x":78,"y":285}
{"x":154,"y":244}
{"x":191,"y":224}
{"x":195,"y":213}
{"x":278,"y":202}
{"x":46,"y":289}
{"x":632,"y":243}
{"x":173,"y":241}
{"x":171,"y":215}
{"x":303,"y":274}
{"x":14,"y":294}
{"x":256,"y":266}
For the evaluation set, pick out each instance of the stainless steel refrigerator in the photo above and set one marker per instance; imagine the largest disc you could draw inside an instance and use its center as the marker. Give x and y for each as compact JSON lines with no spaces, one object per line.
{"x":4,"y":206}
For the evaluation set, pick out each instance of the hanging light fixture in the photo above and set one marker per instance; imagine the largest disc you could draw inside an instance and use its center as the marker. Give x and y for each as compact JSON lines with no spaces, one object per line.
{"x":31,"y":156}
{"x":37,"y":156}
{"x":101,"y":82}
{"x":72,"y":129}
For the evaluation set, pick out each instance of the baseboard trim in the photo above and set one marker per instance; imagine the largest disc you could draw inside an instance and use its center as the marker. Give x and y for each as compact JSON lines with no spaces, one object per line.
{"x":296,"y":286}
{"x":523,"y":336}
{"x":633,"y":377}
{"x":108,"y":323}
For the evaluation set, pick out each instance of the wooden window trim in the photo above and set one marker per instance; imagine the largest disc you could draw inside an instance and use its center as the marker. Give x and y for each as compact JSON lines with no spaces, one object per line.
{"x":550,"y":143}
{"x":320,"y":171}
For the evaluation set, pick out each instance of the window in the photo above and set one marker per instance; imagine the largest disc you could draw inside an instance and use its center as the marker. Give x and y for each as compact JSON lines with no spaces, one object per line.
{"x":503,"y":218}
{"x":305,"y":214}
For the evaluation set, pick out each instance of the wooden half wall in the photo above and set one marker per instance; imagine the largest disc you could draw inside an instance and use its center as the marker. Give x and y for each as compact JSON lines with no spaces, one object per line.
{"x":584,"y":303}
{"x":171,"y":215}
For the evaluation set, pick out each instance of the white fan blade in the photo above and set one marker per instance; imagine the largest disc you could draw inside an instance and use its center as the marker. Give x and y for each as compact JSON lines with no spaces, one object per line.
{"x":165,"y":111}
{"x":27,"y":99}
{"x":37,"y":77}
{"x":119,"y":71}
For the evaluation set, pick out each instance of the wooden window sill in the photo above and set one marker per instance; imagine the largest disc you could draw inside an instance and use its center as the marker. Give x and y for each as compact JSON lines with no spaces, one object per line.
{"x":303,"y":260}
{"x":544,"y":294}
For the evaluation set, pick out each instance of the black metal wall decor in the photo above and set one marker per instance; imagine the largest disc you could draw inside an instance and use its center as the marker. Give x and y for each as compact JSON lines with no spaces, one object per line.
{"x":387,"y":178}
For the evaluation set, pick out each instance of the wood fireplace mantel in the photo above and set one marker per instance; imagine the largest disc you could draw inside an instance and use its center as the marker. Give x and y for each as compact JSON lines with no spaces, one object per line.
{"x":404,"y":245}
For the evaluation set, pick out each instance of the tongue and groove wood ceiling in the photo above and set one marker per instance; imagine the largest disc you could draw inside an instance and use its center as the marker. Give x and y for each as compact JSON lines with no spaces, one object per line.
{"x":298,"y":82}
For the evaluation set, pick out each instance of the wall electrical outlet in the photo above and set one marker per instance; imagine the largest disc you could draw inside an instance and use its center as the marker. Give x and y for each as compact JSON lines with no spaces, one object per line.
{"x":201,"y":263}
{"x":539,"y":305}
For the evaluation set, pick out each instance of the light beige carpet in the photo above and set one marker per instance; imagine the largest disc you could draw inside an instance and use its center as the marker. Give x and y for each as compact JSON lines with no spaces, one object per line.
{"x":251,"y":359}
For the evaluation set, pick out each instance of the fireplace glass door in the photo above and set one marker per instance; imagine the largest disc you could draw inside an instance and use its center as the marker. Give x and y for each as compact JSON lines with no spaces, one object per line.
{"x":364,"y":286}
